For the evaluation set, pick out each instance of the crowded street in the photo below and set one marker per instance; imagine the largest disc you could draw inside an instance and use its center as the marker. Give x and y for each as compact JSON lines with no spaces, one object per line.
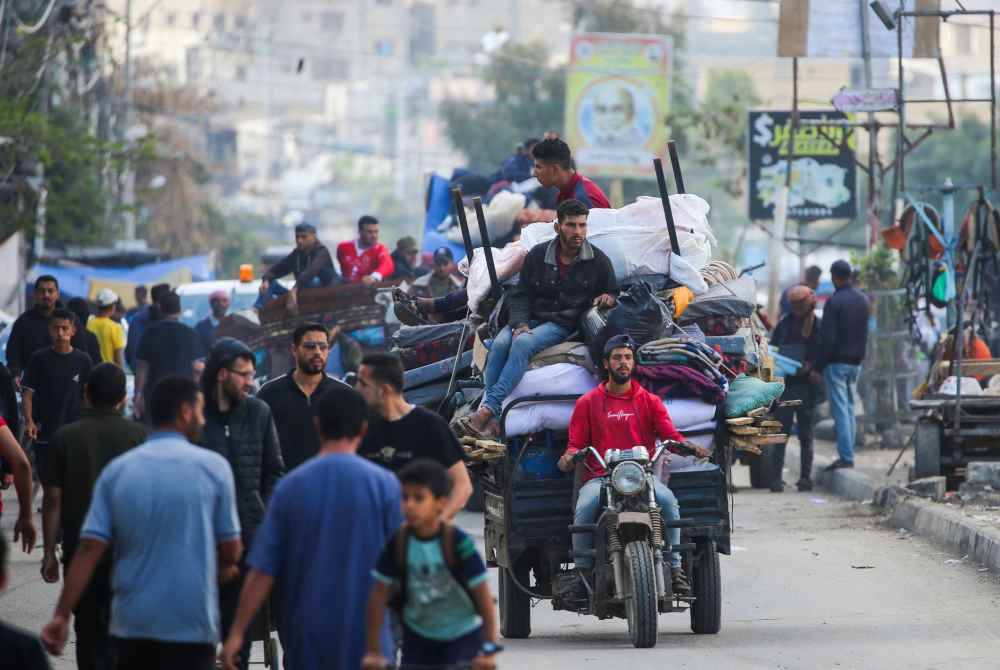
{"x":813,"y":583}
{"x":555,"y":334}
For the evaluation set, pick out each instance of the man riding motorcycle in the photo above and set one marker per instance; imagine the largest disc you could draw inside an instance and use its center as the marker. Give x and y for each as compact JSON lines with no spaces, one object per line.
{"x":620,"y":414}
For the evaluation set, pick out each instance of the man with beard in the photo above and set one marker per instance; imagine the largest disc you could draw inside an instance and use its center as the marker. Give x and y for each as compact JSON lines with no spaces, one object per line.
{"x":293,"y":397}
{"x":219,"y":302}
{"x":620,"y":415}
{"x":560,"y":280}
{"x":241,"y":430}
{"x":30,"y":331}
{"x":169,"y":509}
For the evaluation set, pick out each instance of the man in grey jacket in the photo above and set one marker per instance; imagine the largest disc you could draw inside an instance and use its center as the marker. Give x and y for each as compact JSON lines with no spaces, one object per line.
{"x":241,"y":429}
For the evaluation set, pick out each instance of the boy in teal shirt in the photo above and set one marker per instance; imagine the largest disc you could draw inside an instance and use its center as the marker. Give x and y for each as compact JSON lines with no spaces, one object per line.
{"x":438,"y":579}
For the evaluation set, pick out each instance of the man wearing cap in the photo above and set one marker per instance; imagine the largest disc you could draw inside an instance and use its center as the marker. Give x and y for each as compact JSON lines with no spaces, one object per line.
{"x":843,"y":339}
{"x":442,"y":280}
{"x":110,"y":334}
{"x":241,"y":429}
{"x":620,"y":415}
{"x":219,"y":303}
{"x":406,"y":260}
{"x":310,"y":263}
{"x":365,"y":260}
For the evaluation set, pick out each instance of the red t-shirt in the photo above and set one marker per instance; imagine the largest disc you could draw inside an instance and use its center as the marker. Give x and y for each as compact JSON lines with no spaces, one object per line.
{"x":606,"y":421}
{"x":584,"y":190}
{"x":376,"y":260}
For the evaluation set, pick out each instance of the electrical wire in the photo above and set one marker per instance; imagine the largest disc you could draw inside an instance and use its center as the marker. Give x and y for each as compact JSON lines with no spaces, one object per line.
{"x":31,"y":30}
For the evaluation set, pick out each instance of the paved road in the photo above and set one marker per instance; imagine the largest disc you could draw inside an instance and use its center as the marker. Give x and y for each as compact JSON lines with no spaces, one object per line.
{"x":813,"y":583}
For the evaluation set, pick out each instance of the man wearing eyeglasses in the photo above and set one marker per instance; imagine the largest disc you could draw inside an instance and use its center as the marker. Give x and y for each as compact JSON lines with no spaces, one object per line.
{"x":241,"y":429}
{"x":293,"y":397}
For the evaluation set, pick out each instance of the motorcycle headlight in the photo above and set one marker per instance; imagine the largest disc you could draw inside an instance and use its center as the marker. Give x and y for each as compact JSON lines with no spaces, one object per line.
{"x":628,"y":478}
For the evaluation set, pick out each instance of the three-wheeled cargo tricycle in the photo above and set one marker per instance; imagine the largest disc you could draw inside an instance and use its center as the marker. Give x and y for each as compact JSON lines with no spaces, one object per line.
{"x":529,"y":514}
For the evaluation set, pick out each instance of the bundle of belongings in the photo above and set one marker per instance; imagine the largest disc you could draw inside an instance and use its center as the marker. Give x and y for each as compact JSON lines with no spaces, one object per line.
{"x":429,"y":354}
{"x":748,"y":410}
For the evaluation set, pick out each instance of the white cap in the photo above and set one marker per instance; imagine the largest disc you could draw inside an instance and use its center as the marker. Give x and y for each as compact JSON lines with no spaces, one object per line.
{"x":106,"y":297}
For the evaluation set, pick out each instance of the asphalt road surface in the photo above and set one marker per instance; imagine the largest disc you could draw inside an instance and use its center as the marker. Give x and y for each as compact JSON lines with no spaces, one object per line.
{"x":812,"y":583}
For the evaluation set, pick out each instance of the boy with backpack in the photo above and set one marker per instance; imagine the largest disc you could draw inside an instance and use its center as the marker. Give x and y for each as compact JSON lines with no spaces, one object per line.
{"x":432,"y":575}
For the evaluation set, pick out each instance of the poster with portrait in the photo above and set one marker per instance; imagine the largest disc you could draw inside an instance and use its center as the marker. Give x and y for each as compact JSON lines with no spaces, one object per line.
{"x":617,"y":96}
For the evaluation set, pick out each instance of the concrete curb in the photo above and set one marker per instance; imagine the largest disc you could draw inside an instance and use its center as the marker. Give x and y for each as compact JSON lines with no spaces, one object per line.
{"x":846,"y":483}
{"x":948,"y":528}
{"x":934,"y":521}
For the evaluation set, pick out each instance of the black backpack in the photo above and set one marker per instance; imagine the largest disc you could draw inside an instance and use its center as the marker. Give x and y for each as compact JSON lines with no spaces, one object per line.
{"x":400,"y":542}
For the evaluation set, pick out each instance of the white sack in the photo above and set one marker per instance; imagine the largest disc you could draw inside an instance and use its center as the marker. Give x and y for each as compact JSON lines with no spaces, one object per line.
{"x":558,"y":379}
{"x":508,"y":262}
{"x":687,"y":412}
{"x":636,"y":240}
{"x":500,"y":218}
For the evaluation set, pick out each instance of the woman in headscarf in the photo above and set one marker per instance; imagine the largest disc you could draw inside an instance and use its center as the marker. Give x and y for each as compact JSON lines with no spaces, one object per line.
{"x":797,"y":336}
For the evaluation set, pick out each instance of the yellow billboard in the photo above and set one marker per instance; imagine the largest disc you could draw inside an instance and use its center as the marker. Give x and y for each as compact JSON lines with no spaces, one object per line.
{"x":617,"y":97}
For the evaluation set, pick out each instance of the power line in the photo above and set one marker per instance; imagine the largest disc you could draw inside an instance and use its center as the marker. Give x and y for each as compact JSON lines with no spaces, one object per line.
{"x":31,"y":30}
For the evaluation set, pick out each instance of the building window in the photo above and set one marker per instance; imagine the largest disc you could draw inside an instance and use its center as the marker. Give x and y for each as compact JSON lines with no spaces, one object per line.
{"x":384,"y":3}
{"x":241,"y":73}
{"x":240,"y":21}
{"x":332,"y":21}
{"x":171,"y":18}
{"x":384,"y":48}
{"x":219,"y":22}
{"x":195,"y":19}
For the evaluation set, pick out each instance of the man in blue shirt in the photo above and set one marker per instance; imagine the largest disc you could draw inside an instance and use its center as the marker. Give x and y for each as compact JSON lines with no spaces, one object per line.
{"x":168,"y":509}
{"x":322,"y":535}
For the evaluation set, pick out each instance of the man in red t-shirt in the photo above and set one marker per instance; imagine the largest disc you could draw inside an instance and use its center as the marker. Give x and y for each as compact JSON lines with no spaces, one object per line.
{"x":365,"y":260}
{"x":620,"y":415}
{"x":554,"y":168}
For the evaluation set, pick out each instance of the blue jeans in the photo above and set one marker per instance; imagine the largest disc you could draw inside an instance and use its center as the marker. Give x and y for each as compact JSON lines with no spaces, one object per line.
{"x":509,"y":358}
{"x":276,"y":290}
{"x":840,"y":379}
{"x":587,"y":511}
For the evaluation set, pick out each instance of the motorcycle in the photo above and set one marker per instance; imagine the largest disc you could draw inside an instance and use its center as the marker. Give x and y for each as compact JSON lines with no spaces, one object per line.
{"x":631,"y":577}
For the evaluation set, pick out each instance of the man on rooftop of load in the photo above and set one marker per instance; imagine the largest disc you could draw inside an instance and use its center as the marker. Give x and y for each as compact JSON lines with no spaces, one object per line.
{"x":559,"y":282}
{"x":554,"y":168}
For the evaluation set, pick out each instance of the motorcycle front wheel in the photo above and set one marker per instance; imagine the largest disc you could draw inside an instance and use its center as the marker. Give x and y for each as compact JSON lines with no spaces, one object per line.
{"x":641,"y":594}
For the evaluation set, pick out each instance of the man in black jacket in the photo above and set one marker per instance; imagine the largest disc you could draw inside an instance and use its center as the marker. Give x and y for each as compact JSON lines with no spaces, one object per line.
{"x":559,"y":281}
{"x":843,"y":339}
{"x":310,"y":263}
{"x":241,"y":429}
{"x":30,"y":331}
{"x":797,"y":336}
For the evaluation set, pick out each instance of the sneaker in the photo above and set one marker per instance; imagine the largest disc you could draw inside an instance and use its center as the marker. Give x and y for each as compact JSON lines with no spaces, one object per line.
{"x":838,"y":465}
{"x":804,"y":485}
{"x":777,"y":487}
{"x":578,"y":594}
{"x":681,"y":585}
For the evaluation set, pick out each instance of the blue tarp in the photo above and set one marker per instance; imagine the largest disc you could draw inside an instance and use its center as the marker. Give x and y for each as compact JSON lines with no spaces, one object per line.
{"x":82,"y":280}
{"x":438,"y":208}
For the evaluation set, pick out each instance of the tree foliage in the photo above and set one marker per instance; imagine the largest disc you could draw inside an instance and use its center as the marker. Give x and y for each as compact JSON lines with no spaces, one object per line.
{"x":528,"y":100}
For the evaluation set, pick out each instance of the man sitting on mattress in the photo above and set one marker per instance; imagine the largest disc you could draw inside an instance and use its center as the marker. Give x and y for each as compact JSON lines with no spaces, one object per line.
{"x":559,"y":282}
{"x":620,"y":414}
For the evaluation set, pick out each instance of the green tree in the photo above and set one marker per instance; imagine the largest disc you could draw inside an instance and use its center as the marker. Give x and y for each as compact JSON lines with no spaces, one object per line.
{"x":529,"y":98}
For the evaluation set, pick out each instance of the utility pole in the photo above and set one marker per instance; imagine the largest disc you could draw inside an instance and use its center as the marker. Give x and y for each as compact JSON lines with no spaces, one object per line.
{"x":874,"y":190}
{"x":128,"y":190}
{"x":777,"y":241}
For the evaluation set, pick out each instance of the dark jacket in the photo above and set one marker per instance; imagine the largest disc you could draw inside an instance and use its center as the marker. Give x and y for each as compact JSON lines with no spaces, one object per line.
{"x":28,"y":334}
{"x":844,"y":335}
{"x":305,"y":267}
{"x":245,"y":436}
{"x":403,"y":269}
{"x":87,"y":342}
{"x":206,"y":332}
{"x":542,"y":295}
{"x":787,"y":335}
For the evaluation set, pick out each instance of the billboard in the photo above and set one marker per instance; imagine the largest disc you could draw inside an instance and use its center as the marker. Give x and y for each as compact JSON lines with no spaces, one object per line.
{"x":824,"y":172}
{"x":617,"y":95}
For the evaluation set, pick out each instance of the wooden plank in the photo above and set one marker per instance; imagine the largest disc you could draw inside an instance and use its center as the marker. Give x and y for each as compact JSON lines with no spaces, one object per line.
{"x":759,"y":412}
{"x":740,"y":421}
{"x":770,"y":423}
{"x":746,"y":430}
